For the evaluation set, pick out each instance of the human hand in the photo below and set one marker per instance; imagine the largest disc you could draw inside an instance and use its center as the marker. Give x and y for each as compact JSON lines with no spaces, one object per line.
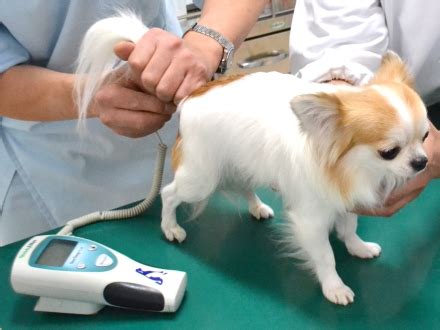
{"x":169,"y":67}
{"x":402,"y":196}
{"x":127,"y":110}
{"x":163,"y":70}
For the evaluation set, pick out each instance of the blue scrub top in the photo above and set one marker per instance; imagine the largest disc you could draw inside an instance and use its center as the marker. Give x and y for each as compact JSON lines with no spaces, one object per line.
{"x":64,"y":175}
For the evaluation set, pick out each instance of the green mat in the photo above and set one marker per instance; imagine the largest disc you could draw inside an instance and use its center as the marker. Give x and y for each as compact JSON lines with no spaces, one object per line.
{"x":238,"y":280}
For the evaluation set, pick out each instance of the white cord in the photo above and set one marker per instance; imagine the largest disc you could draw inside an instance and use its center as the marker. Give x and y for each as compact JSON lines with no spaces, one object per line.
{"x":129,"y":212}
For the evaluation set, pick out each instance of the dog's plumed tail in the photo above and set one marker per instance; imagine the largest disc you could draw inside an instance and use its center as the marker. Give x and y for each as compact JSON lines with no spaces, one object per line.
{"x":96,"y":58}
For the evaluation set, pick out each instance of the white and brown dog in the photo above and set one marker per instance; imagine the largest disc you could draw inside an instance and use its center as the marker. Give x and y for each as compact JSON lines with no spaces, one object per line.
{"x":328,"y":149}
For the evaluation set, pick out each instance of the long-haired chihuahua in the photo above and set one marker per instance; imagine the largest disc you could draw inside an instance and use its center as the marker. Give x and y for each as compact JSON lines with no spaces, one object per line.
{"x":328,"y":149}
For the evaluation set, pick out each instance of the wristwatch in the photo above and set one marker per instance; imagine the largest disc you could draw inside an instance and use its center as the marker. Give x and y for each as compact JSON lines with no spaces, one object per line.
{"x":228,"y":46}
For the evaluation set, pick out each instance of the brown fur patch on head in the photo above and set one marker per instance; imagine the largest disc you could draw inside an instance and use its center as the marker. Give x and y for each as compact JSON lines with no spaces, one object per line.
{"x":215,"y":83}
{"x":366,"y":117}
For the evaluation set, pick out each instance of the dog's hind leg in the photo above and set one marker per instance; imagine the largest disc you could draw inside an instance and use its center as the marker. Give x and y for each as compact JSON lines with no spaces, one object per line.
{"x":187,"y":187}
{"x":346,"y":226}
{"x":169,"y":225}
{"x":257,"y":208}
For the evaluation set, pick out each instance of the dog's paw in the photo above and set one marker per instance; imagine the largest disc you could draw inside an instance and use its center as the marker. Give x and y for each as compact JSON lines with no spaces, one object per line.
{"x":340,"y":294}
{"x":261,"y":211}
{"x":364,"y":250}
{"x":174,"y":233}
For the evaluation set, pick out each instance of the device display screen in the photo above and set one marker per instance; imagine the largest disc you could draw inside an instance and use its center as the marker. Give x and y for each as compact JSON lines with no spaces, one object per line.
{"x":56,"y":252}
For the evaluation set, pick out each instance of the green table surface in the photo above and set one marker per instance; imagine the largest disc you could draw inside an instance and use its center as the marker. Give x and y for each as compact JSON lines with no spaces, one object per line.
{"x":237,"y":278}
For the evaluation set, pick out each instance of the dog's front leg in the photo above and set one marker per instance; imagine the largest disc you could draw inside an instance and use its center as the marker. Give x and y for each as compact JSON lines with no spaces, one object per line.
{"x":346,"y":225}
{"x":311,"y":234}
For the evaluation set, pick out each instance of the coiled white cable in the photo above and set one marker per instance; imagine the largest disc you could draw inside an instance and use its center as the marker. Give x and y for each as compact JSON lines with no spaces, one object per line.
{"x":96,"y":61}
{"x":129,"y":212}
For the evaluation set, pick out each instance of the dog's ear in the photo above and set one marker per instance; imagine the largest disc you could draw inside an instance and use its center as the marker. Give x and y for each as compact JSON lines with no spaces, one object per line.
{"x":318,"y":114}
{"x":393,"y":69}
{"x":320,"y":118}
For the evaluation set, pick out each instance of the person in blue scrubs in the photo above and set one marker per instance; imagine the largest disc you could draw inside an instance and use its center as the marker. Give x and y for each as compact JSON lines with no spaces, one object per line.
{"x":50,"y":175}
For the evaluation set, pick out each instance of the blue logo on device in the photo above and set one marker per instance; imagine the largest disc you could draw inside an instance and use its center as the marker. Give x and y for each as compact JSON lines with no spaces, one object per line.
{"x":150,"y":274}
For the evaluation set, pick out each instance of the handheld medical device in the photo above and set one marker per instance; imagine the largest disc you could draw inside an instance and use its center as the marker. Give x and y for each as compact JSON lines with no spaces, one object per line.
{"x":79,"y":276}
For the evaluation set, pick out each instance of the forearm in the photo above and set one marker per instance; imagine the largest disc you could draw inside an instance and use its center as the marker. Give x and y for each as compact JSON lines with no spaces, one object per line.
{"x":233,"y":19}
{"x":36,"y":94}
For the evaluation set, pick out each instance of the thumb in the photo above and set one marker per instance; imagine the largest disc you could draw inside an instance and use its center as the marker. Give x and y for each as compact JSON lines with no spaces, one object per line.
{"x":123,"y":49}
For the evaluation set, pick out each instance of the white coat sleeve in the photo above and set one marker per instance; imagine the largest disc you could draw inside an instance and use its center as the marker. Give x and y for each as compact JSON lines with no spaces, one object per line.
{"x":341,"y":39}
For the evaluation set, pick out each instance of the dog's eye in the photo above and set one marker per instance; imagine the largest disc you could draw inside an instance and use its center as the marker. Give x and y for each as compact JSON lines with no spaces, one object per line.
{"x":390,"y":153}
{"x":426,"y":135}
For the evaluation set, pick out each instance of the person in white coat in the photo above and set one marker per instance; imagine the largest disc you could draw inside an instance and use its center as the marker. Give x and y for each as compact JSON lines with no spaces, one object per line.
{"x":343,"y":42}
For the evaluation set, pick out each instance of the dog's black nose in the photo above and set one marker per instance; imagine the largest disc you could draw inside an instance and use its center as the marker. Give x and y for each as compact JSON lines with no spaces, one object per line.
{"x":419,"y":163}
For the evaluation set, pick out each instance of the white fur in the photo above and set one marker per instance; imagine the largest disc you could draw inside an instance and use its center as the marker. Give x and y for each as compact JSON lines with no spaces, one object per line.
{"x":96,"y":58}
{"x":268,"y":129}
{"x":246,"y":134}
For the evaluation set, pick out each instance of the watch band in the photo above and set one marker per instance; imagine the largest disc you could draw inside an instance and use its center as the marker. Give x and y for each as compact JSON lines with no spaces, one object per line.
{"x":228,"y":46}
